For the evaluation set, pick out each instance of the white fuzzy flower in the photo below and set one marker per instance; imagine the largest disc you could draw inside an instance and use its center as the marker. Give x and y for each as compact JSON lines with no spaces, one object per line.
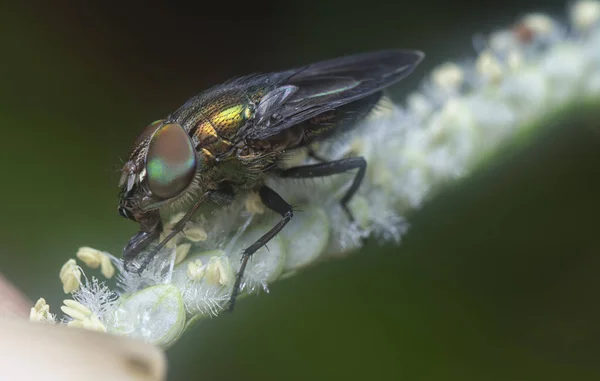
{"x":70,"y":276}
{"x":181,"y":252}
{"x":489,"y":66}
{"x":41,"y":312}
{"x":194,"y":232}
{"x":95,"y":258}
{"x":82,"y":316}
{"x":253,"y":204}
{"x":585,"y":14}
{"x":460,"y":116}
{"x":218,"y":272}
{"x":195,"y":270}
{"x":449,"y":77}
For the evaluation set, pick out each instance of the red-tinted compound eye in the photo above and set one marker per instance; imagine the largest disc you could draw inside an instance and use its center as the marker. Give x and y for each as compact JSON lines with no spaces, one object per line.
{"x":170,"y":161}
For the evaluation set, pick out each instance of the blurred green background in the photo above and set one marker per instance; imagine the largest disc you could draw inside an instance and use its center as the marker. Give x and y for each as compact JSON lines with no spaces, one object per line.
{"x":497,"y":279}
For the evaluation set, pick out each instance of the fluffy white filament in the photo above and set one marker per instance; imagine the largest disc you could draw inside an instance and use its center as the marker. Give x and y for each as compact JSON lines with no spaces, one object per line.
{"x":461,"y":115}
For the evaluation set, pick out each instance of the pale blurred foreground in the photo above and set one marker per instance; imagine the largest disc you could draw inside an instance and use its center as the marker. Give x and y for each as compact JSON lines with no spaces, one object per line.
{"x":35,"y":351}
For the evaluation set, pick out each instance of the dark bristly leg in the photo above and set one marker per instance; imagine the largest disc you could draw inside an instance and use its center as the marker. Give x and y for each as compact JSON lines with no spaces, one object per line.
{"x":333,"y":168}
{"x":218,"y":197}
{"x":276,"y":203}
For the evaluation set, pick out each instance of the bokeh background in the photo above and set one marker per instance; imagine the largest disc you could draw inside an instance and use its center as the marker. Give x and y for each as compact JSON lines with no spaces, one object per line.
{"x":497,"y":279}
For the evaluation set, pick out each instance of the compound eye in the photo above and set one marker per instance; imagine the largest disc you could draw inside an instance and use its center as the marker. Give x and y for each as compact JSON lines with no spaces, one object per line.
{"x":148,"y":131}
{"x":170,"y":161}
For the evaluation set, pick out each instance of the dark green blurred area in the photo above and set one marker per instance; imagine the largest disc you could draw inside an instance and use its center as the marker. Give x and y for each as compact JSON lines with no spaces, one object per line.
{"x":497,"y":279}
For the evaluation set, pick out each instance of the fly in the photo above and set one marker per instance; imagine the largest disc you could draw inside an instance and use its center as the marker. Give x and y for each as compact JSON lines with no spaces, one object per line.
{"x":231,"y":138}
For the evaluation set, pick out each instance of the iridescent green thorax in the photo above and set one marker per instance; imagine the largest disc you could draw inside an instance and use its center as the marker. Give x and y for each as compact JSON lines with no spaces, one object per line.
{"x":221,"y":117}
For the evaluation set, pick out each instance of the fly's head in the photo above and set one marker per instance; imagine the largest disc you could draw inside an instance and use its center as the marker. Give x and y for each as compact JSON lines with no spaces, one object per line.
{"x":160,"y":168}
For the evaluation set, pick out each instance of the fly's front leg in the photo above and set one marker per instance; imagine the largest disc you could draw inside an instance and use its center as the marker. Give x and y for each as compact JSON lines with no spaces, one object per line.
{"x":219,"y":197}
{"x":333,"y":168}
{"x":276,"y":203}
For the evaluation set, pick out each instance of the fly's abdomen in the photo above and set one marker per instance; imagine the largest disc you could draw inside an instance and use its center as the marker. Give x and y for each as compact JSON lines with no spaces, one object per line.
{"x":331,"y":122}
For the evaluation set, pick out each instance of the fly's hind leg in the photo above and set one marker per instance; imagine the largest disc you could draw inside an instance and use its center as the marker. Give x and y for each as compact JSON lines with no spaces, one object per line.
{"x":333,"y":168}
{"x":276,"y":203}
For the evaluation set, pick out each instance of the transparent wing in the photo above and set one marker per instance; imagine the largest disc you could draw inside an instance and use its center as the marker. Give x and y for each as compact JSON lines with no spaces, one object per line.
{"x":304,"y":93}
